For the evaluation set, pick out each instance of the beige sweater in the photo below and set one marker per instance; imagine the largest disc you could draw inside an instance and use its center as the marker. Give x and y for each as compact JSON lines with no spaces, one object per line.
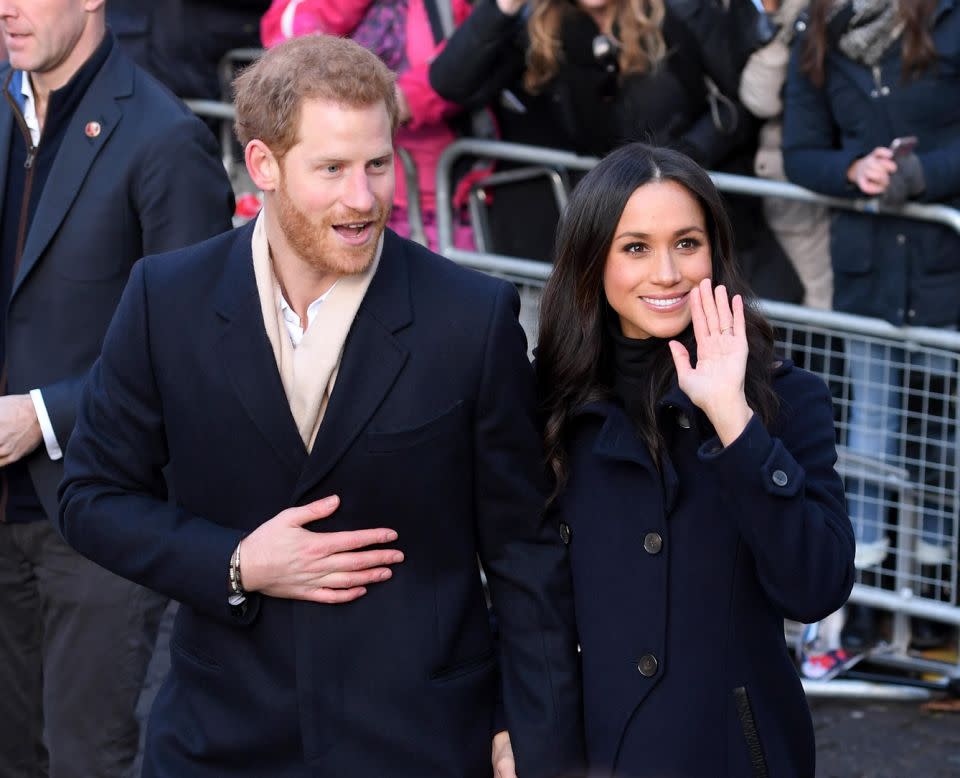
{"x":309,"y":370}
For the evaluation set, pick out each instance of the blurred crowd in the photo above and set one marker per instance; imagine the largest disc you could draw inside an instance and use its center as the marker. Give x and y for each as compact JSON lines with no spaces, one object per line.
{"x":849,"y":99}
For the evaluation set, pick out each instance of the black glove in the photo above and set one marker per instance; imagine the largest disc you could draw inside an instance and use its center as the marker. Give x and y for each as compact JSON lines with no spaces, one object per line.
{"x":907,"y":182}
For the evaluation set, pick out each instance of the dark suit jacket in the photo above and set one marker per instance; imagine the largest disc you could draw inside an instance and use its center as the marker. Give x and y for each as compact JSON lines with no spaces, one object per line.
{"x":430,"y":430}
{"x":151,"y":181}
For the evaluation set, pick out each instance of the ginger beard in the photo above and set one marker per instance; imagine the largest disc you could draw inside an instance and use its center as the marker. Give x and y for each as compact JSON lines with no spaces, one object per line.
{"x":316,"y":240}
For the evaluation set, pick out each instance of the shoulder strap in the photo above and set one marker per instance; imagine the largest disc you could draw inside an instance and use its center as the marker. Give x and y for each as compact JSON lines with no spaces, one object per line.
{"x":440,"y":13}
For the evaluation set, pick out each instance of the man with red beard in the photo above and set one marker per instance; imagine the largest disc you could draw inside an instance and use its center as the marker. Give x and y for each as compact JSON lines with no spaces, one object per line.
{"x":350,"y":423}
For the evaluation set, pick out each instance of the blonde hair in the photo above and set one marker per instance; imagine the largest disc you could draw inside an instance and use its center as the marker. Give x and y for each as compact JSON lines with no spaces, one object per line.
{"x":269,"y":93}
{"x":640,"y":38}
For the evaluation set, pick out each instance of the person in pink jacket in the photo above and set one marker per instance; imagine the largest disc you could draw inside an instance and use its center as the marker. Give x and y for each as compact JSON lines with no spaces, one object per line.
{"x":400,"y":33}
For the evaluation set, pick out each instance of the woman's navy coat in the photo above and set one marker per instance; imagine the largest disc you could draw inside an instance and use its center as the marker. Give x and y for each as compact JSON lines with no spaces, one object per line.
{"x":682,"y":583}
{"x":902,"y":270}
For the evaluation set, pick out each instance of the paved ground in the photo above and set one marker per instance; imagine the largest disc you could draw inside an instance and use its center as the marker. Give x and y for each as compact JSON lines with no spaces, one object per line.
{"x":855,"y":738}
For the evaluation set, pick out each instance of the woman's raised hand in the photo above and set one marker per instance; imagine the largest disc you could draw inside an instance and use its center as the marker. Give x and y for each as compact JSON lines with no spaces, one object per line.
{"x":716,"y":384}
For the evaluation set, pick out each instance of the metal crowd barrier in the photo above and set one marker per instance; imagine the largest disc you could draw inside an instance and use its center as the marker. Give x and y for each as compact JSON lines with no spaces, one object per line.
{"x":921,"y":480}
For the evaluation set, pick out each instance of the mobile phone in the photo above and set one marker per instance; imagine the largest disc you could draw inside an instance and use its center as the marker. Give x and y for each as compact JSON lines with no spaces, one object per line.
{"x":903,"y":146}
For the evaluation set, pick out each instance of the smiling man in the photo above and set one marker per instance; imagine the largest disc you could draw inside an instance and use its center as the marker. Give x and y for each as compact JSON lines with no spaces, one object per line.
{"x":349,"y":420}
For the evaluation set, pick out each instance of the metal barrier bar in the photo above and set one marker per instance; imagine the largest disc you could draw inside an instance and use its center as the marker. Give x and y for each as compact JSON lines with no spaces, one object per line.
{"x":213,"y":109}
{"x":498,"y":263}
{"x":906,"y":602}
{"x":863,"y":690}
{"x":509,"y":152}
{"x":243,"y":55}
{"x":726,"y":182}
{"x":861,"y":325}
{"x":414,"y":209}
{"x":762,"y":187}
{"x":224,"y":113}
{"x":227,"y":65}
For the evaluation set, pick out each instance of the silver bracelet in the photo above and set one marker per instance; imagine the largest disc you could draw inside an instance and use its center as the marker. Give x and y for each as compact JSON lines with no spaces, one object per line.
{"x":237,"y":595}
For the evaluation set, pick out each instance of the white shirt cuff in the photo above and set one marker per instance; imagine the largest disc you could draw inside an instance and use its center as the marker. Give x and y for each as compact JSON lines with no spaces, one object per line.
{"x":49,"y":436}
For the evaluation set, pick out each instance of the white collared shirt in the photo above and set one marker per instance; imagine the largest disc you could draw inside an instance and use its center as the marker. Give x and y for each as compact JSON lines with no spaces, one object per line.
{"x":33,"y":125}
{"x":292,"y":321}
{"x":30,"y":108}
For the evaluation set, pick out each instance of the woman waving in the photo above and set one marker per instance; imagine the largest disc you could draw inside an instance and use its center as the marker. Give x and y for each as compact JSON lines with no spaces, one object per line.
{"x":695,"y":481}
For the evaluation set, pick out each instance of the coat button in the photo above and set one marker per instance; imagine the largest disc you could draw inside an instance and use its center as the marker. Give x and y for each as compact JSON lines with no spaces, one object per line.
{"x":647,"y":665}
{"x":565,"y":533}
{"x":779,"y":478}
{"x":901,"y":238}
{"x":884,"y":90}
{"x":683,"y":421}
{"x":652,"y":543}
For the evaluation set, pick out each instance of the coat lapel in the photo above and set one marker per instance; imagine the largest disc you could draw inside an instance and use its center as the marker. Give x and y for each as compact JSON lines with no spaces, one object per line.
{"x":372,"y":360}
{"x":6,"y":127}
{"x":247,"y":357}
{"x":617,"y":438}
{"x":76,"y":155}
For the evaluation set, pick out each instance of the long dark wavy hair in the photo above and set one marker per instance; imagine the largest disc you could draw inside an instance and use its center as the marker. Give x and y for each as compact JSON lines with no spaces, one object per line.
{"x":574,"y":355}
{"x":917,"y":49}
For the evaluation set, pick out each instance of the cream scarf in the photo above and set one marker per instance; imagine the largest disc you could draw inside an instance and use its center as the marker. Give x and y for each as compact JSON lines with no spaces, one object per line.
{"x":308,"y":372}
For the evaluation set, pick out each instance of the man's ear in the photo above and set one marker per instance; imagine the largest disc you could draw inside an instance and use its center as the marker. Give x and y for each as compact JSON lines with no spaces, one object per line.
{"x":262,"y":165}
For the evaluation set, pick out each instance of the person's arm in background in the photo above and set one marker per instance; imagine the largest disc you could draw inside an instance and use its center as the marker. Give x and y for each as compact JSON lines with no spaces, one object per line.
{"x":941,"y":172}
{"x":424,"y":105}
{"x":287,"y":19}
{"x":810,"y":156}
{"x":726,"y":127}
{"x":421,"y":105}
{"x":761,"y":83}
{"x":765,"y":72}
{"x":483,"y":56}
{"x":724,"y":35}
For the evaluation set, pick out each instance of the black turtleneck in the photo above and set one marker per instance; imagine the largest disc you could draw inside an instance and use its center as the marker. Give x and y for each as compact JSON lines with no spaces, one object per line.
{"x":633,"y":359}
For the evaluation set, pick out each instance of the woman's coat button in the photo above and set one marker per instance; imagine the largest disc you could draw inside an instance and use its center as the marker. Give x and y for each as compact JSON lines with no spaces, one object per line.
{"x":652,"y":543}
{"x":683,"y":420}
{"x":779,"y":478}
{"x":648,"y":665}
